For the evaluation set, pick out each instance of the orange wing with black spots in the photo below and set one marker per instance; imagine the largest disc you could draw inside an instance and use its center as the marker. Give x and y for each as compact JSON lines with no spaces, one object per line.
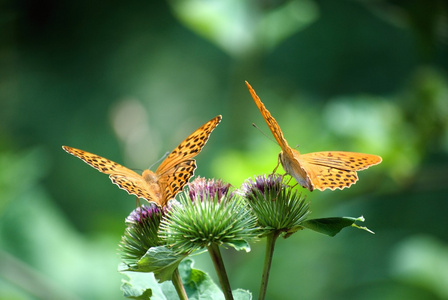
{"x":190,"y":147}
{"x":169,"y":178}
{"x":125,"y":178}
{"x":335,"y":169}
{"x":175,"y":181}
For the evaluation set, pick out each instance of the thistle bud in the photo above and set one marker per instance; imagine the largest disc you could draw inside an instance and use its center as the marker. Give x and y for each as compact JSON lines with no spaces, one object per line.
{"x":277,"y":206}
{"x":140,"y":233}
{"x":208,"y":213}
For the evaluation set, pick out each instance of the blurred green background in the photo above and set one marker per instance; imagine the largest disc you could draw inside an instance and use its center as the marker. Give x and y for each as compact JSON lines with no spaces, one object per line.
{"x":130,"y":80}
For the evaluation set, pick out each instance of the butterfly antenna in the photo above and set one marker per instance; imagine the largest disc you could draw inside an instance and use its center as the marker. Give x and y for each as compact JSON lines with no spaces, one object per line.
{"x":159,"y":160}
{"x":262,"y":132}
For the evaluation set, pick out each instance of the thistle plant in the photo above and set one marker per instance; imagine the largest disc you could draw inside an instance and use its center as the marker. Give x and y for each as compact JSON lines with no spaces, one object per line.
{"x":279,"y":210}
{"x":139,"y":241}
{"x":209,"y":215}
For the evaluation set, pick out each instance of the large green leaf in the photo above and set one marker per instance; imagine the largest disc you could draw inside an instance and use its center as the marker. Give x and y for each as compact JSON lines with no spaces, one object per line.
{"x":332,"y":226}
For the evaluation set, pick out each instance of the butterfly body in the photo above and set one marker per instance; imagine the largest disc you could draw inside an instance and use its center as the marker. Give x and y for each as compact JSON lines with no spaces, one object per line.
{"x":317,"y":170}
{"x":295,"y":169}
{"x":169,"y":178}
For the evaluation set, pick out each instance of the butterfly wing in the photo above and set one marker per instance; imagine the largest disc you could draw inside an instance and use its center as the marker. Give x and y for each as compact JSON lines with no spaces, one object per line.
{"x":123,"y":177}
{"x":272,"y":123}
{"x":335,"y":169}
{"x":190,"y":147}
{"x":173,"y":182}
{"x":175,"y":171}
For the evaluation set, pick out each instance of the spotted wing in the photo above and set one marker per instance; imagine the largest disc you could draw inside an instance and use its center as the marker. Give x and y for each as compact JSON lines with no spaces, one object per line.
{"x":190,"y":147}
{"x":335,"y":169}
{"x":123,"y":177}
{"x":272,"y":123}
{"x":175,"y":171}
{"x":173,"y":182}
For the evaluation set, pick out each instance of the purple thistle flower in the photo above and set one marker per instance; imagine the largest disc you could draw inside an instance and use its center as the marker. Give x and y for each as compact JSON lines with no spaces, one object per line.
{"x":141,"y":233}
{"x":143,"y":213}
{"x":275,"y":204}
{"x":265,"y":185}
{"x":201,"y":189}
{"x":208,"y":214}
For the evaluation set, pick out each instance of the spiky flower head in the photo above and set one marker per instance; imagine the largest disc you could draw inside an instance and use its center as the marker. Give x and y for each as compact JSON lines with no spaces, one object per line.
{"x":277,"y":206}
{"x":208,"y":213}
{"x":140,"y":233}
{"x":200,"y":189}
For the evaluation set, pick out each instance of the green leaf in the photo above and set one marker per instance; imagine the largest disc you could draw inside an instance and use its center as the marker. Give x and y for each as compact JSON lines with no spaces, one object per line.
{"x":161,"y":260}
{"x":198,"y":285}
{"x":240,"y":245}
{"x":332,"y":226}
{"x":240,"y":294}
{"x":140,"y":286}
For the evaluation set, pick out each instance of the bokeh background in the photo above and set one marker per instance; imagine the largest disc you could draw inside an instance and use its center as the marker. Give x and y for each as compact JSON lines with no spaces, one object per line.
{"x":130,"y":80}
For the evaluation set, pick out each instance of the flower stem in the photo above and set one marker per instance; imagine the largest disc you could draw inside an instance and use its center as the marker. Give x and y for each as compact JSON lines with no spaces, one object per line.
{"x":177,"y":282}
{"x":215,"y":254}
{"x":270,"y":243}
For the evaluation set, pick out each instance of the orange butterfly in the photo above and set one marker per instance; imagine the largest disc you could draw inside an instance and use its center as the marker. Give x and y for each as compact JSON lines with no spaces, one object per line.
{"x":169,"y":178}
{"x":318,"y":170}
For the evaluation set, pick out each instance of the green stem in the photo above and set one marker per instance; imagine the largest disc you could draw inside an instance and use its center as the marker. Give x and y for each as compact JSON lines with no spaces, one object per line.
{"x":215,"y":254}
{"x":270,"y":243}
{"x":177,"y":282}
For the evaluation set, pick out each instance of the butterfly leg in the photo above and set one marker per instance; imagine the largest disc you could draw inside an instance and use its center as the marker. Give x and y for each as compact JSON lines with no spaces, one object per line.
{"x":276,"y":167}
{"x":137,"y":201}
{"x":283,"y":177}
{"x":289,"y":180}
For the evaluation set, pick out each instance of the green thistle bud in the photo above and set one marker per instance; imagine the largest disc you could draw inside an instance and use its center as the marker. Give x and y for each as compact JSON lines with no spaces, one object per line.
{"x":207,"y":214}
{"x":141,"y":233}
{"x":276,"y":205}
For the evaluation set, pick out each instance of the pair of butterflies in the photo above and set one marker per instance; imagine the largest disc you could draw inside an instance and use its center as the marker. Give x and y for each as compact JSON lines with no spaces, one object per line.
{"x":317,"y":170}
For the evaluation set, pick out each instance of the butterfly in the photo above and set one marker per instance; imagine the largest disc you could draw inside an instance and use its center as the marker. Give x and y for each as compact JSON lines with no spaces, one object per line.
{"x":169,"y":178}
{"x":318,"y":170}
